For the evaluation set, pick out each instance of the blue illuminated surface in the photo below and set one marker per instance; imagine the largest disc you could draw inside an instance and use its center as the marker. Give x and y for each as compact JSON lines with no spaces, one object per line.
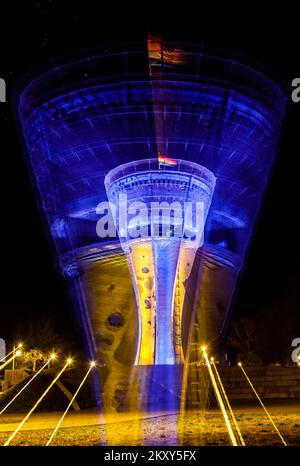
{"x":213,"y":111}
{"x":166,"y":262}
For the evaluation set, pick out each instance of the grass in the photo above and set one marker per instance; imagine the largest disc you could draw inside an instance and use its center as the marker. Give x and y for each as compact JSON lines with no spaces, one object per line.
{"x":192,"y":429}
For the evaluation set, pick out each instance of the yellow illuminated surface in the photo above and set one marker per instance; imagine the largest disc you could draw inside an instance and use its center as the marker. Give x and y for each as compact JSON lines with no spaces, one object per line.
{"x":185,"y":263}
{"x":142,"y":267}
{"x":141,"y":261}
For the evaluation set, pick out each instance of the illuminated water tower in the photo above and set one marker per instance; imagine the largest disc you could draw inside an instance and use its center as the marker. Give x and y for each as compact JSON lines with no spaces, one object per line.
{"x":100,"y":118}
{"x":170,"y":200}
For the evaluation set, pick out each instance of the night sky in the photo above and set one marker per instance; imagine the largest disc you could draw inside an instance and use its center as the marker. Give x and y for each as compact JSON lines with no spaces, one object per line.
{"x":34,"y":32}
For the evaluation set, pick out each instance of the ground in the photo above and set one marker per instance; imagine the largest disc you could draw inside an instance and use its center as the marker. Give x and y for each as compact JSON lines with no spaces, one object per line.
{"x":193,"y":428}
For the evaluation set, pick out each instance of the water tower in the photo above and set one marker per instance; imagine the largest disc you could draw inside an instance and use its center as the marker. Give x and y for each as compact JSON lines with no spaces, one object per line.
{"x":106,"y":115}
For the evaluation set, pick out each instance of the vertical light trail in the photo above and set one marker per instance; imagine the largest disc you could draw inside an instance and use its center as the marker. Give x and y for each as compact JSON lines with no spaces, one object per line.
{"x":70,"y":404}
{"x":232,"y":437}
{"x":28,"y":383}
{"x":263,"y":406}
{"x":242,"y":442}
{"x":37,"y":403}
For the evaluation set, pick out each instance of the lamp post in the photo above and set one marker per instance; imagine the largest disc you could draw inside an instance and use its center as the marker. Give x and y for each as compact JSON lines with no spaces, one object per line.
{"x":15,"y":348}
{"x":13,"y":361}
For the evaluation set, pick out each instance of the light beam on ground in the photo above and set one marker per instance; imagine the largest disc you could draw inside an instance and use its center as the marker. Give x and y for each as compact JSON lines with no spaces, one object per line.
{"x":70,"y":404}
{"x":8,"y":354}
{"x":262,"y":404}
{"x":37,"y":403}
{"x":242,"y":442}
{"x":28,"y":383}
{"x":15,"y":355}
{"x":232,"y":437}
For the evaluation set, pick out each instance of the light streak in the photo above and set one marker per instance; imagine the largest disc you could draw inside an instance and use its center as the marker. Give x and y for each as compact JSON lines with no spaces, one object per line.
{"x":36,"y":404}
{"x":28,"y":383}
{"x":6,"y":356}
{"x":228,"y":404}
{"x":262,"y":404}
{"x":70,"y":404}
{"x":15,"y":355}
{"x":232,"y":437}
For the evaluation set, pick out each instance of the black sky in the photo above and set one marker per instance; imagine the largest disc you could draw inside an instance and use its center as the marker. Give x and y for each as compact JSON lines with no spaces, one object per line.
{"x":34,"y":32}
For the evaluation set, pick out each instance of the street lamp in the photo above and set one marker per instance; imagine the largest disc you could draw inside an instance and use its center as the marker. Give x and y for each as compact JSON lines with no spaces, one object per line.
{"x":16,"y":350}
